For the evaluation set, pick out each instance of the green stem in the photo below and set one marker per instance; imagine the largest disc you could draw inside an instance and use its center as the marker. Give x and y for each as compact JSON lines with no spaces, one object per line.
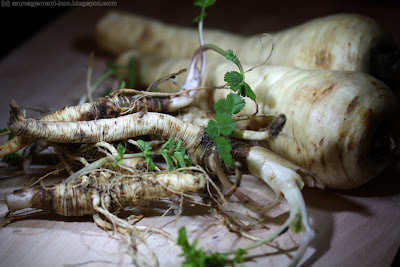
{"x":99,"y":163}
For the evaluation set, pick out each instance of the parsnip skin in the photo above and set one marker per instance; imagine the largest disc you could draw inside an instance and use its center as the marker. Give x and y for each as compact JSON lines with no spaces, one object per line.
{"x":75,"y":198}
{"x":104,"y":107}
{"x":341,"y":42}
{"x":338,"y":122}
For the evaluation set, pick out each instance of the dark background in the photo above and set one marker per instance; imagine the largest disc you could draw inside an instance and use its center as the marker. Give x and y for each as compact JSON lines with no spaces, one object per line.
{"x":18,"y":24}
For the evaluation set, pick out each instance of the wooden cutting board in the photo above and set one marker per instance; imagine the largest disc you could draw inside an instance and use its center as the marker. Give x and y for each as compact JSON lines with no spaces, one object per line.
{"x":354,"y":228}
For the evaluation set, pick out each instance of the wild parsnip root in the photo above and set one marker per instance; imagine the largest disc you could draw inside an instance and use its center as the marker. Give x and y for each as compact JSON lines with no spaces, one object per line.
{"x":76,"y":198}
{"x":340,"y":125}
{"x":105,"y":107}
{"x":342,"y":42}
{"x":280,"y":174}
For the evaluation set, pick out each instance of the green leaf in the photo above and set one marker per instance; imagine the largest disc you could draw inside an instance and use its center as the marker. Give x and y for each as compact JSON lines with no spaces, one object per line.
{"x":234,"y":80}
{"x":200,"y":17}
{"x":121,"y":150}
{"x":197,"y":257}
{"x":148,"y":155}
{"x":226,"y":124}
{"x":122,"y":85}
{"x":180,"y":155}
{"x":239,"y":256}
{"x":212,"y":129}
{"x":245,"y":90}
{"x":232,"y":104}
{"x":12,"y":158}
{"x":3,"y":130}
{"x":165,"y":152}
{"x":230,"y":56}
{"x":204,"y":3}
{"x":224,"y":149}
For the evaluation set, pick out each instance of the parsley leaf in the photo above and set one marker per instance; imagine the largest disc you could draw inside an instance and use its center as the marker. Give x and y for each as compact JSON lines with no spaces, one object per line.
{"x":234,"y":80}
{"x":165,"y":152}
{"x":224,"y":149}
{"x":179,"y":153}
{"x":197,"y":257}
{"x":204,"y":3}
{"x":232,"y":104}
{"x":239,"y":256}
{"x":245,"y":90}
{"x":230,"y":56}
{"x":121,"y":151}
{"x":148,"y":155}
{"x":212,"y":129}
{"x":226,"y":124}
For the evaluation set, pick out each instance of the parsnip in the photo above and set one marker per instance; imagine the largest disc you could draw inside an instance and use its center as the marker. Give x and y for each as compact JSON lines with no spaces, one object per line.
{"x":75,"y":198}
{"x":105,"y":107}
{"x":342,"y":42}
{"x":340,"y":124}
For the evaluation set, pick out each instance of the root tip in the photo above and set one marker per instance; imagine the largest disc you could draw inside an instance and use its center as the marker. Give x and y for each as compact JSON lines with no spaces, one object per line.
{"x":16,"y":114}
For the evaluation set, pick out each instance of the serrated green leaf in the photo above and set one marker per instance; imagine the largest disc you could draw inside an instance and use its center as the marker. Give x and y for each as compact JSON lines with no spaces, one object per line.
{"x":221,"y":106}
{"x":168,"y":145}
{"x":199,"y":17}
{"x":238,"y":258}
{"x":204,"y":3}
{"x":224,"y":149}
{"x":245,"y":90}
{"x":235,"y":103}
{"x":226,"y":124}
{"x":230,"y":56}
{"x":121,"y":150}
{"x":148,"y":155}
{"x":180,"y":155}
{"x":234,"y":80}
{"x":165,"y":152}
{"x":232,"y":104}
{"x":212,"y":129}
{"x":143,"y":145}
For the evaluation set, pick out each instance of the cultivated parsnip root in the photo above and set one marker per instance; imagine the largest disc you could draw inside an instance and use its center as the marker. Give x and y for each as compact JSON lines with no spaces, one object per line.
{"x":342,"y":42}
{"x":341,"y":125}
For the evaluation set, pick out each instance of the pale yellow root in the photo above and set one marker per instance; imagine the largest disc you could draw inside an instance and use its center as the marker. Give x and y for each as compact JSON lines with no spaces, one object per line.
{"x":342,"y":41}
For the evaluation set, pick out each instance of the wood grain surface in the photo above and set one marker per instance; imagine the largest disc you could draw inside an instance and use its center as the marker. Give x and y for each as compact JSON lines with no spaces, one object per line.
{"x":354,"y":228}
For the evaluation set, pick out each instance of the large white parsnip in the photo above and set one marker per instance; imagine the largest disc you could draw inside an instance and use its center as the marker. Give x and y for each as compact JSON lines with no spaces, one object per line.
{"x":340,"y":124}
{"x":341,"y":41}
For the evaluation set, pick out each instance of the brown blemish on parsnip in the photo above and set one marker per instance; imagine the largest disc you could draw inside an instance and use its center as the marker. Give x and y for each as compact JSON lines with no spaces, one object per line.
{"x":323,"y":59}
{"x":146,"y":35}
{"x":352,"y":105}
